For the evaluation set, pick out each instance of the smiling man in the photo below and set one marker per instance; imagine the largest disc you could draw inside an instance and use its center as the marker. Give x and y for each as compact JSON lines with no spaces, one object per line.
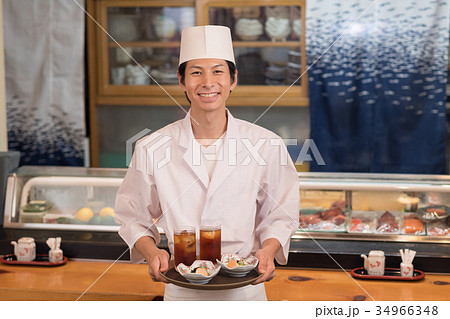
{"x":220,"y":168}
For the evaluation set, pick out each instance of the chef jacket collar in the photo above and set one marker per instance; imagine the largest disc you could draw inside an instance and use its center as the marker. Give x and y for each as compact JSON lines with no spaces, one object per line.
{"x":187,"y":134}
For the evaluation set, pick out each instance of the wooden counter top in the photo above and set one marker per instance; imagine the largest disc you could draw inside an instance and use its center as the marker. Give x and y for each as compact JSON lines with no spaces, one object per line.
{"x":124,"y":281}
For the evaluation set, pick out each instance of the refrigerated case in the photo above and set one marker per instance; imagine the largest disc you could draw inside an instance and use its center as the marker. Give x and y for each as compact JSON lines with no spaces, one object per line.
{"x":325,"y":198}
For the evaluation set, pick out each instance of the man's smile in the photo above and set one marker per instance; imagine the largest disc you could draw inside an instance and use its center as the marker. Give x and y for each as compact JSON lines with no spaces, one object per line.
{"x":208,"y":94}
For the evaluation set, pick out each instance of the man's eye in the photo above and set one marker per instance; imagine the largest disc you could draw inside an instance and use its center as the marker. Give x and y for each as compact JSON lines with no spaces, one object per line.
{"x":195,"y":72}
{"x":218,"y":71}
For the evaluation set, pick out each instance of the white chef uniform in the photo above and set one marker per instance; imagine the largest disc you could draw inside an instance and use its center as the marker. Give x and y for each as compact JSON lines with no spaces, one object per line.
{"x":253,"y":192}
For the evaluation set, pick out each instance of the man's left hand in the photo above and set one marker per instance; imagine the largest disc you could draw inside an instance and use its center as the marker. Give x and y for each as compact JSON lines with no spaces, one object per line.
{"x":266,"y":255}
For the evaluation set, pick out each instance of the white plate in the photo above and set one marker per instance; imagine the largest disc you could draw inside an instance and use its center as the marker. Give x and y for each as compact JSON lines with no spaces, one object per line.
{"x":199,"y":279}
{"x":238,"y":271}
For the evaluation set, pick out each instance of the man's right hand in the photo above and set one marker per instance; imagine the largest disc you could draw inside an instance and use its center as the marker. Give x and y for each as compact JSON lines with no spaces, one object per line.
{"x":157,"y":259}
{"x":158,"y":263}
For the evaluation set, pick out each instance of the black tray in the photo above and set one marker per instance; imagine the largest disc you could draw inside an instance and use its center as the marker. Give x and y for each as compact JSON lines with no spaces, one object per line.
{"x":389,"y":274}
{"x":220,"y":282}
{"x":40,"y":260}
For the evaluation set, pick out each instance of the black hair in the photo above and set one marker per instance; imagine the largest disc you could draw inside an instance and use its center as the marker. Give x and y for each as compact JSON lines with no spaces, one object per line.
{"x":182,"y":70}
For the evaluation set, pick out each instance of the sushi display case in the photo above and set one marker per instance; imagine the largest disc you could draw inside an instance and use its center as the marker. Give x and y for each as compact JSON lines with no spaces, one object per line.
{"x":407,"y":208}
{"x":343,"y":215}
{"x":64,"y":198}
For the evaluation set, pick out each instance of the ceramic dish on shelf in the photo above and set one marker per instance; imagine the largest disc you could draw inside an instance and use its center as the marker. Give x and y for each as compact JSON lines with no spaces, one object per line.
{"x":236,"y":266}
{"x":297,"y":27}
{"x":200,"y":272}
{"x":277,"y":29}
{"x":248,"y":29}
{"x":165,"y":27}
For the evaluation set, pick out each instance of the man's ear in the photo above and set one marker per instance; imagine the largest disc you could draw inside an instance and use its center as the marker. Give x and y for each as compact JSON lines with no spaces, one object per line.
{"x":179,"y":81}
{"x":233,"y":85}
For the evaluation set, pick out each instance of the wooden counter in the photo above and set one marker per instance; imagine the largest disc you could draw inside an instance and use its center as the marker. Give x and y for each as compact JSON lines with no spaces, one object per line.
{"x":124,"y":281}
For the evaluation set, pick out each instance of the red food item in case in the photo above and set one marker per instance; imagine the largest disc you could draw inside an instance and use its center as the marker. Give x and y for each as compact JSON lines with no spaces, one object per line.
{"x":330,"y":213}
{"x":387,"y":223}
{"x":356,"y":225}
{"x":338,"y":220}
{"x":338,"y":204}
{"x":413,"y":226}
{"x":437,"y":211}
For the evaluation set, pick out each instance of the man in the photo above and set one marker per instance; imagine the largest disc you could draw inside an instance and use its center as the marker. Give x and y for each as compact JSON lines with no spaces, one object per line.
{"x":210,"y":166}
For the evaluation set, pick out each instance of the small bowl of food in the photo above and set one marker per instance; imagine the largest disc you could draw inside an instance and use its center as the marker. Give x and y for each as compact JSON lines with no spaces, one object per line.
{"x":200,"y":272}
{"x":236,"y":266}
{"x":433,"y":212}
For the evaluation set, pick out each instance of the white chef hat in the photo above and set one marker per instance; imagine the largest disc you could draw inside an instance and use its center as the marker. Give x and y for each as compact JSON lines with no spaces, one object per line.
{"x":206,"y":42}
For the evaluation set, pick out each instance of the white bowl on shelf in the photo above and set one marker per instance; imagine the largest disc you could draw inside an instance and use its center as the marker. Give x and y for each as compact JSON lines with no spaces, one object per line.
{"x":165,"y":27}
{"x":248,"y":29}
{"x":278,"y":29}
{"x":297,"y":27}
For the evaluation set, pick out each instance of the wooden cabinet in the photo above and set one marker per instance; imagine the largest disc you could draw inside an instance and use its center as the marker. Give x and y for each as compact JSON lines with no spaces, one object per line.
{"x":133,"y":49}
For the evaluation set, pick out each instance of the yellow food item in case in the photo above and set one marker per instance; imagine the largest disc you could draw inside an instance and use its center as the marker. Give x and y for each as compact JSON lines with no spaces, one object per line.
{"x":84,"y":214}
{"x":105,"y":211}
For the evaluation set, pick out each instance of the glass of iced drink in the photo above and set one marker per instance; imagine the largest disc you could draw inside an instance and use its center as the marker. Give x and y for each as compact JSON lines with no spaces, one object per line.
{"x":184,"y":245}
{"x":210,"y":242}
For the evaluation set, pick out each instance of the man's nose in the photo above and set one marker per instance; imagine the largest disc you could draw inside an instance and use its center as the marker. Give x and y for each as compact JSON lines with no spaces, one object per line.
{"x":207,"y":80}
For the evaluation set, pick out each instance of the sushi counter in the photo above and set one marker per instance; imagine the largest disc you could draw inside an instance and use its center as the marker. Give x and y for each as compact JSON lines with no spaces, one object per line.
{"x":341,"y":217}
{"x":80,"y":280}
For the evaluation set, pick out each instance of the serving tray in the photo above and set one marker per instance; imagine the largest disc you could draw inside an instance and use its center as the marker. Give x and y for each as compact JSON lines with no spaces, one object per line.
{"x":40,"y":260}
{"x":389,"y":274}
{"x":220,"y":282}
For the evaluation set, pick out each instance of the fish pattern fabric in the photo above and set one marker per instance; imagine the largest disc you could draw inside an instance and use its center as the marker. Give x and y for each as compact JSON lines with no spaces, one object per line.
{"x":377,"y":81}
{"x":44,"y":70}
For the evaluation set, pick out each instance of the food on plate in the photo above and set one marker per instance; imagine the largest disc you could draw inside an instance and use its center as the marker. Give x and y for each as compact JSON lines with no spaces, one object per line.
{"x":360,"y":225}
{"x":387,"y":223}
{"x":35,"y":206}
{"x":329,"y":219}
{"x":237,"y":266}
{"x":84,"y":214}
{"x":362,"y":222}
{"x":433,"y":212}
{"x":200,"y":270}
{"x":106,"y":211}
{"x":439,"y":228}
{"x":232,"y":263}
{"x":412,"y":225}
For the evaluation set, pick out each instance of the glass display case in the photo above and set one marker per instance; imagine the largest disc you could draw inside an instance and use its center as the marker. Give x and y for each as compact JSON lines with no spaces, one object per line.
{"x":372,"y":207}
{"x":375,"y":207}
{"x":62,"y":198}
{"x":341,"y":215}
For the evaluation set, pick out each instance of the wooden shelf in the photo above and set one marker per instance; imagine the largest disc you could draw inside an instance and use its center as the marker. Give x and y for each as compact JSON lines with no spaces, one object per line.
{"x":102,"y":57}
{"x":145,"y":44}
{"x":173,"y":44}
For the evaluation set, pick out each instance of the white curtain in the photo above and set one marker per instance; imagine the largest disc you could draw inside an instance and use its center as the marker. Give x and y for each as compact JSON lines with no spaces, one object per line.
{"x":44,"y":69}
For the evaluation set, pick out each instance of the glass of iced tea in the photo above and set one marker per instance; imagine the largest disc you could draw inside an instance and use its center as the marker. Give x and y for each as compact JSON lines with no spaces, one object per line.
{"x":184,"y":245}
{"x":210,"y":242}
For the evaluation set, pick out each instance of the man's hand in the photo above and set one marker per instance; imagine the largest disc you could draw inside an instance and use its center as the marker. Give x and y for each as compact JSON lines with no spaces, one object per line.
{"x":157,"y":259}
{"x":158,"y":263}
{"x":266,"y":255}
